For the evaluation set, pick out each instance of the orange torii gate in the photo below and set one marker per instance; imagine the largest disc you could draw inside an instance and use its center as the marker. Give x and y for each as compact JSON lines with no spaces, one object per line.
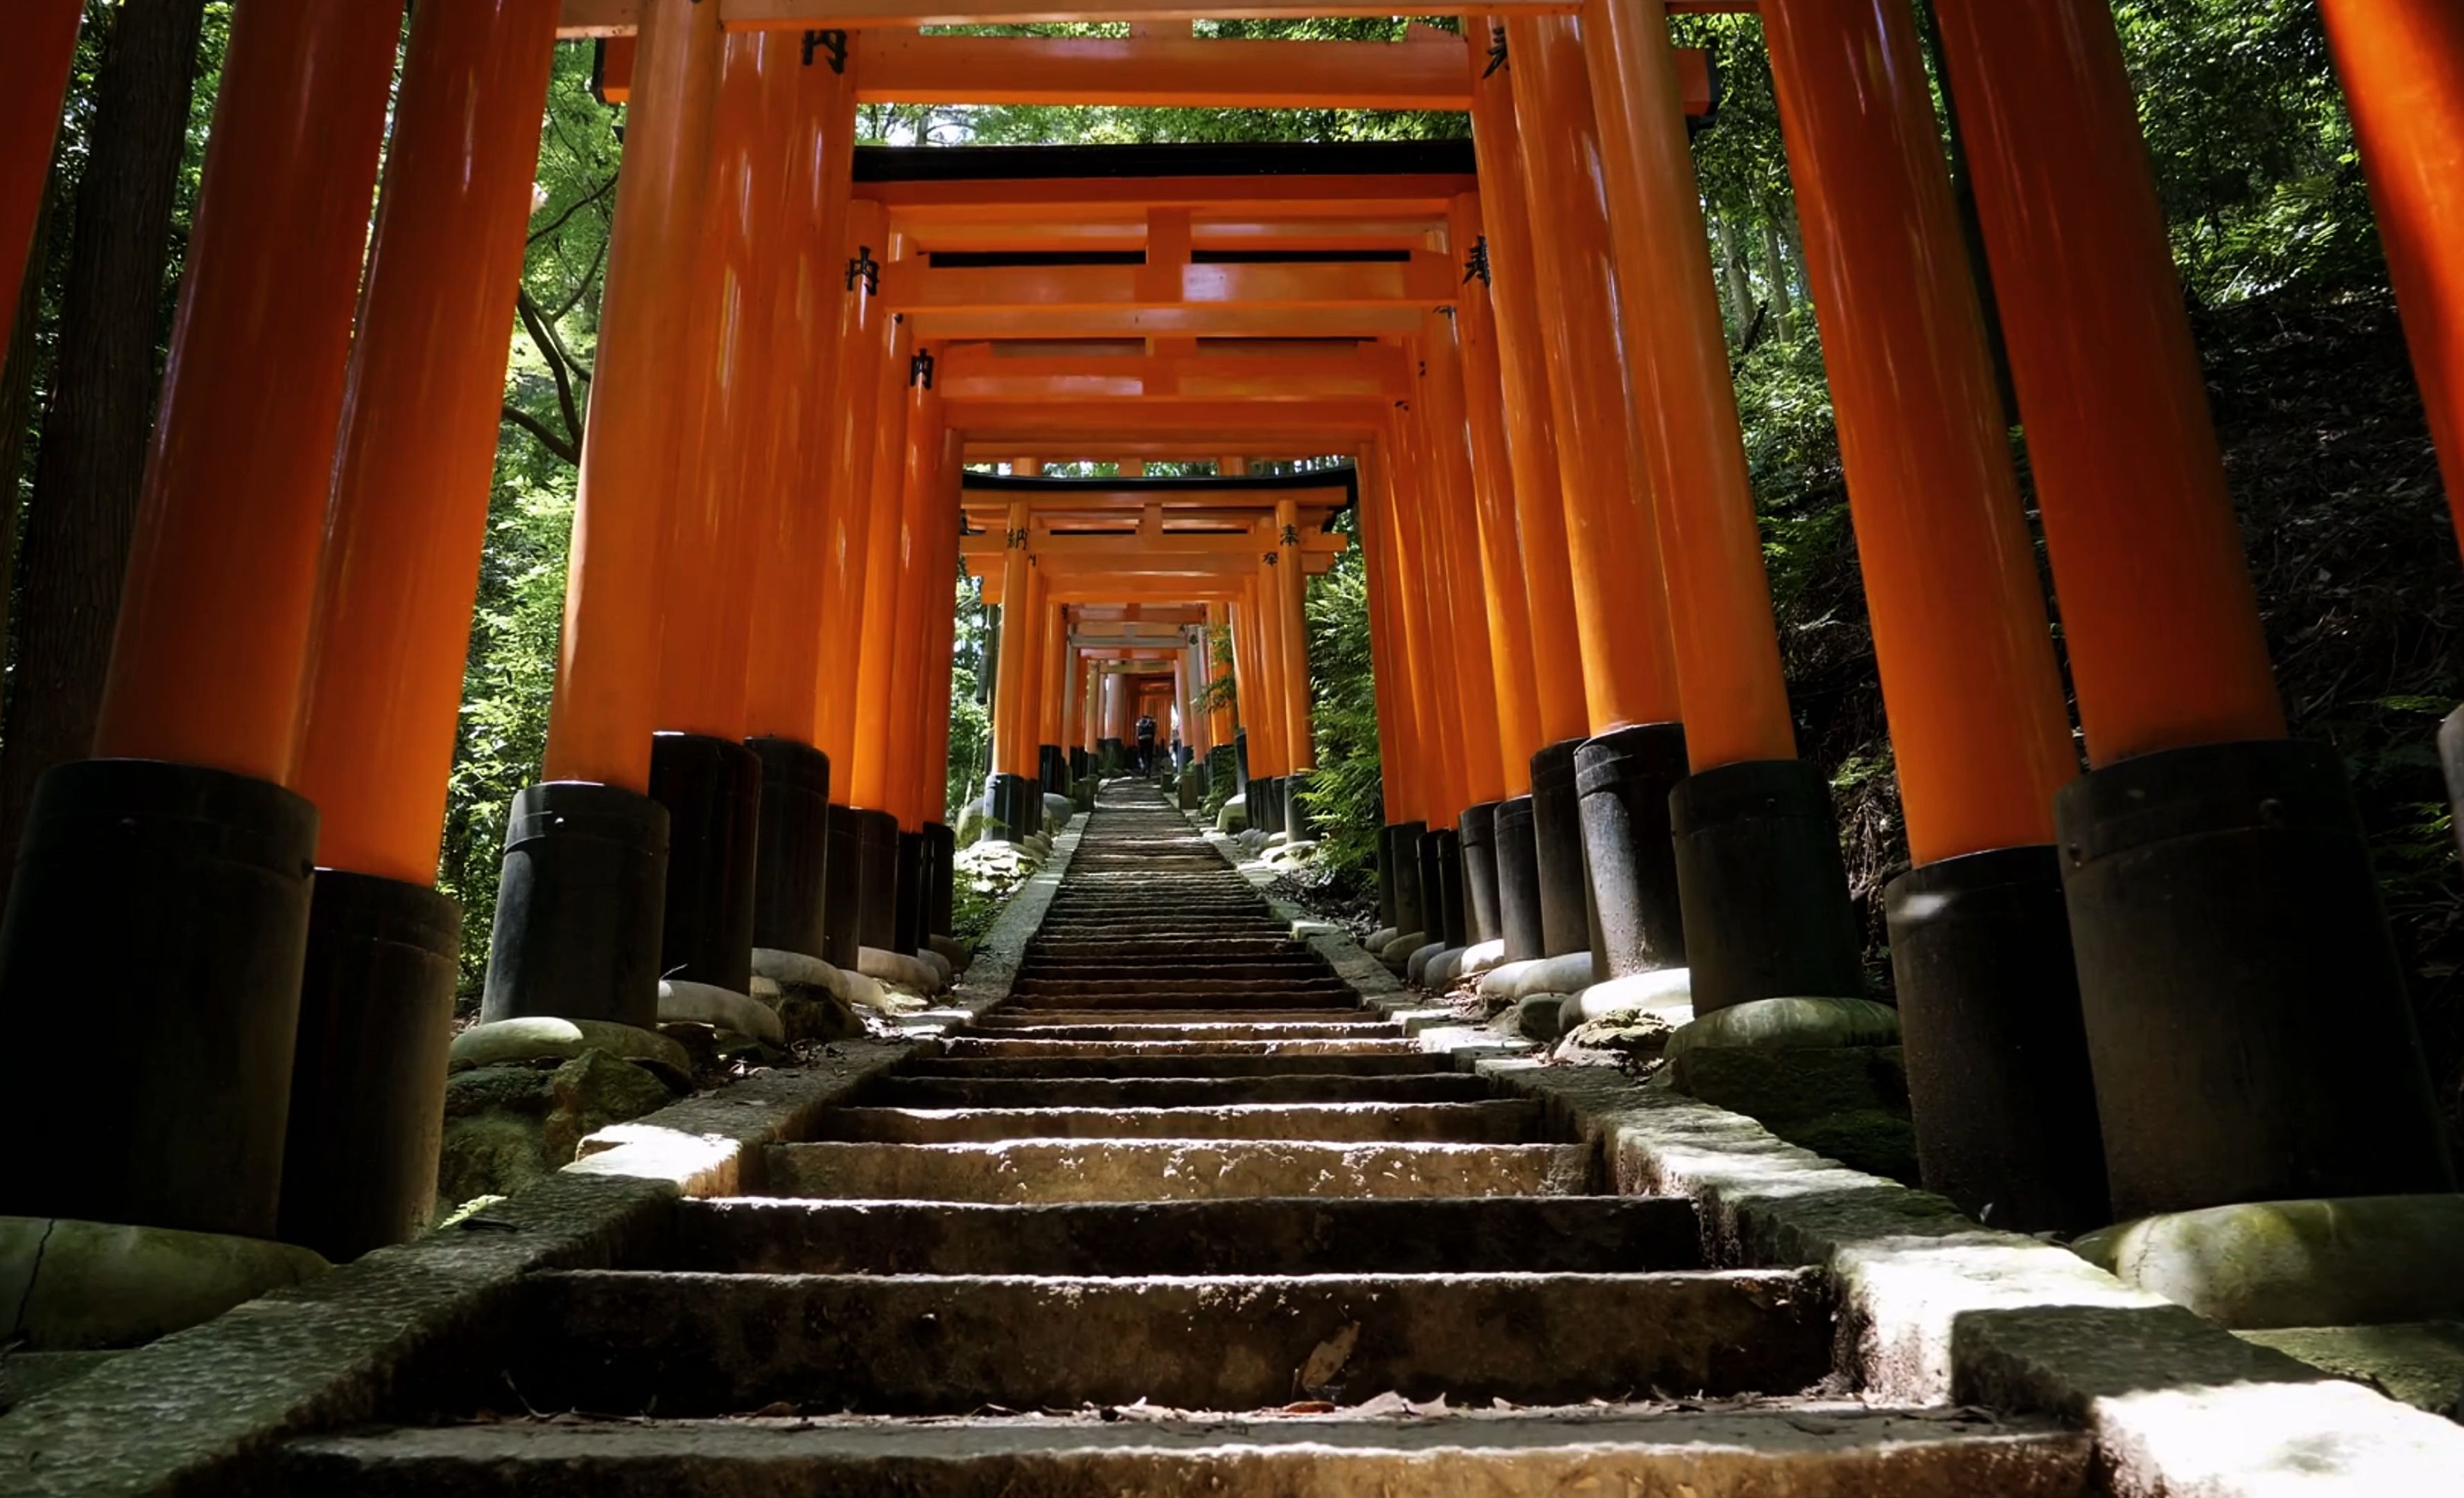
{"x":2106,"y":978}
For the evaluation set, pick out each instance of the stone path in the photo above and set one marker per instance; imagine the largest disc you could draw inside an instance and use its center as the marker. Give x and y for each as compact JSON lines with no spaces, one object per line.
{"x":1181,"y":1218}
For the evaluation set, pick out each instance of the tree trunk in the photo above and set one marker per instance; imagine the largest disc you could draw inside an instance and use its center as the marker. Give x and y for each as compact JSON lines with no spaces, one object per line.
{"x":1732,"y":270}
{"x":1776,"y":272}
{"x":97,"y":427}
{"x":18,"y":397}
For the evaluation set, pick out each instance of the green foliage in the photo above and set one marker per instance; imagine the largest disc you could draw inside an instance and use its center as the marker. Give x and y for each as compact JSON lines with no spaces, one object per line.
{"x":1343,"y":793}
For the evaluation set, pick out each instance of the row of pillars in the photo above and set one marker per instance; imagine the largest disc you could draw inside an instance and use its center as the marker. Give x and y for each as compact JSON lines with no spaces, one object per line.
{"x":744,"y":763}
{"x":2108,"y":980}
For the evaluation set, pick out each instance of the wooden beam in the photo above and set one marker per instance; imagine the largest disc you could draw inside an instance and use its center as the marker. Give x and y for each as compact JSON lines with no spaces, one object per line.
{"x":623,"y":18}
{"x":797,"y":14}
{"x":915,"y":287}
{"x":1188,"y":72}
{"x":1218,"y":372}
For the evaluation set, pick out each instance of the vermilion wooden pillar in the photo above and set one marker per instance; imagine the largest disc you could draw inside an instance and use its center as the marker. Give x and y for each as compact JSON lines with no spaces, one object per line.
{"x":383,"y":696}
{"x":1502,"y":259}
{"x":1505,"y":585}
{"x":1400,"y":739}
{"x":1444,"y":438}
{"x":579,"y":910}
{"x":33,"y":77}
{"x":905,"y":745}
{"x":175,"y":857}
{"x":865,"y":332}
{"x":701,"y":769}
{"x":942,"y":522}
{"x":1012,"y":686}
{"x":894,"y":405}
{"x":1762,"y":900}
{"x":797,"y":565}
{"x":2214,"y":872}
{"x":2402,"y":62}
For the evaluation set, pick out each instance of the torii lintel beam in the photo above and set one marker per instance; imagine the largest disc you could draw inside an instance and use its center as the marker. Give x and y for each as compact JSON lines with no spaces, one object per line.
{"x":1425,"y":71}
{"x":1215,"y":372}
{"x":623,"y":17}
{"x":984,"y":301}
{"x":1130,"y":547}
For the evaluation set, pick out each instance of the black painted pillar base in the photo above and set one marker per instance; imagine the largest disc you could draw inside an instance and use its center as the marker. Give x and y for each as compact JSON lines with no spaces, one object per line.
{"x":1081,"y":763}
{"x":791,"y":869}
{"x":1517,"y":857}
{"x":2245,"y":1008}
{"x":1241,"y":761}
{"x":1759,"y":877}
{"x":579,"y":906}
{"x":909,"y":917}
{"x":1452,"y":928}
{"x":940,"y":876}
{"x":1297,"y":826}
{"x":711,"y":788}
{"x":1411,"y":896}
{"x":1266,"y":802}
{"x":1557,"y":836}
{"x":877,"y":853}
{"x":183,"y":893}
{"x":1476,"y":833}
{"x":1432,"y":887}
{"x":1017,"y":807}
{"x":843,"y":908}
{"x":1997,"y":1052}
{"x":1054,"y":768}
{"x":1624,"y":777}
{"x":367,"y":1079}
{"x":1386,"y":879}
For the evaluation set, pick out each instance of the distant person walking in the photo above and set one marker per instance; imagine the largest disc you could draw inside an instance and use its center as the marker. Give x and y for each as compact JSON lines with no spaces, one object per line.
{"x":1146,"y":747}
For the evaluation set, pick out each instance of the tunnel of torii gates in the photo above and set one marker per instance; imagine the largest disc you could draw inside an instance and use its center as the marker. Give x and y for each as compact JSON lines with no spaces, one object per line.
{"x":2110,"y":979}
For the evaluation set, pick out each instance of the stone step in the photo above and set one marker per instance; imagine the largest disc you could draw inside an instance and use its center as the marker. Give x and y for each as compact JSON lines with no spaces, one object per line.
{"x":1457,"y":1123}
{"x":914,"y":1091}
{"x":1180,"y":1024}
{"x":1362,"y":1045}
{"x":1792,"y":1449}
{"x":1174,"y":1065}
{"x":618,"y":1342}
{"x":1148,"y":969}
{"x":1161,"y":1000}
{"x":1180,"y":986}
{"x":1433,"y":1235}
{"x":1172,"y":1030}
{"x":1113,"y":1169}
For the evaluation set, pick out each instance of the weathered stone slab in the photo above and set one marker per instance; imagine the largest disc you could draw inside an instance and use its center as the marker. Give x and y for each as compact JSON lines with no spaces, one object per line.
{"x":1432,"y":1087}
{"x":1039,"y":1046}
{"x":1460,"y":1123}
{"x":615,"y":1343}
{"x":1169,"y":1170}
{"x":1806,"y":1451}
{"x":1176,"y":1065}
{"x":1436,"y":1235}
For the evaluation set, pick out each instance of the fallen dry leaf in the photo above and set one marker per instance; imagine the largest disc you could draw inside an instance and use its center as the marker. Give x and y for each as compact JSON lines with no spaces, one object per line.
{"x":1326,"y":1360}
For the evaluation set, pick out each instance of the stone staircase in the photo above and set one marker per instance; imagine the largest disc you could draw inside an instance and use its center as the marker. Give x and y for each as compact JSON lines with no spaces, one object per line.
{"x":1183,"y":1217}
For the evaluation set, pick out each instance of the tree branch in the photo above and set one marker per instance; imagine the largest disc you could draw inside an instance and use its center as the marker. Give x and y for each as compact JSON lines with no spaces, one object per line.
{"x":571,"y":209}
{"x":571,"y":452}
{"x":545,"y":338}
{"x":581,"y":289}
